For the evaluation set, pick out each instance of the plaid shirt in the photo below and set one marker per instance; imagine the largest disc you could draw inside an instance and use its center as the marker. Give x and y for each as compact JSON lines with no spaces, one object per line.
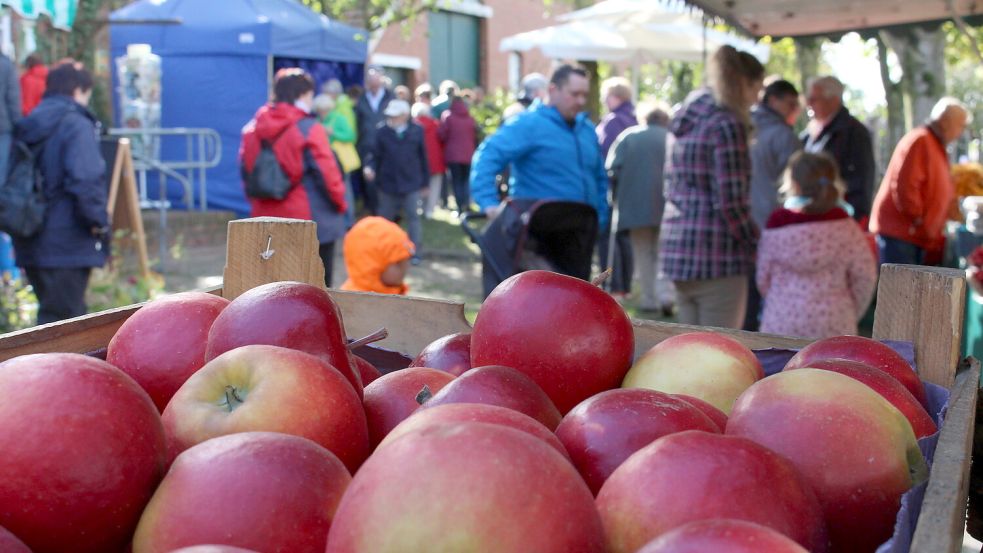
{"x":707,"y":230}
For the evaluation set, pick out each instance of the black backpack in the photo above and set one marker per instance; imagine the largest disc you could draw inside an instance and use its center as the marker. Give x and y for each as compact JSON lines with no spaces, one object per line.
{"x":22,"y":199}
{"x":267,"y":180}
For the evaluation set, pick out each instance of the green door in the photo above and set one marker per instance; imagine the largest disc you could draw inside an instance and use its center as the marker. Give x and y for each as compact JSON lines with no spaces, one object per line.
{"x":454,"y":48}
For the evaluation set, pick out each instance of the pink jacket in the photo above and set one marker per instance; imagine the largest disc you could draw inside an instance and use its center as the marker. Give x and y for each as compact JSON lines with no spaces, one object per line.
{"x":817,"y":278}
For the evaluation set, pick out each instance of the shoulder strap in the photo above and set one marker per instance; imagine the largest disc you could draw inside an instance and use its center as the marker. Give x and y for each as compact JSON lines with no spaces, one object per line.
{"x":305,"y":125}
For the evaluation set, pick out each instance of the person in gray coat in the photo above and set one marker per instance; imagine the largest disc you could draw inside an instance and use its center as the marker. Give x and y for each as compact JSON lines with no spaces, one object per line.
{"x":635,"y":163}
{"x":774,"y":143}
{"x":10,"y":109}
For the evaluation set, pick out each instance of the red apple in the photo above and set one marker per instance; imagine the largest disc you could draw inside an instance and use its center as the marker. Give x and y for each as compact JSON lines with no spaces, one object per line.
{"x":863,"y":350}
{"x":722,"y":536}
{"x":606,"y":429}
{"x":475,"y":412}
{"x":367,"y":372}
{"x":255,"y":490}
{"x":82,"y":451}
{"x":709,"y":366}
{"x":451,"y":353}
{"x":889,"y":388}
{"x":10,"y":544}
{"x":856,"y":450}
{"x":716,"y":415}
{"x":569,"y":336}
{"x":393,"y":397}
{"x":292,"y":315}
{"x":502,"y":386}
{"x":691,"y":476}
{"x":474,"y":487}
{"x":273,"y":389}
{"x":213,"y":549}
{"x":163,"y":343}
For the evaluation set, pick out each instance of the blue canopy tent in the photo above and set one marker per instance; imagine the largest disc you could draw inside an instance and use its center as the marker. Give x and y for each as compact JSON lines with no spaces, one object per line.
{"x":217,"y":63}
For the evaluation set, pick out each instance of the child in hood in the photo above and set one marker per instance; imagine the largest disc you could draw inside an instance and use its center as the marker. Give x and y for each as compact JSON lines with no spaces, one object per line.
{"x":377,"y":256}
{"x":815,"y":269}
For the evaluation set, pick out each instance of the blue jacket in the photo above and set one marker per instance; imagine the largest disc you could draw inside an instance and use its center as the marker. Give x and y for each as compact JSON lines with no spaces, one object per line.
{"x":399,"y":160}
{"x":549,"y":159}
{"x":74,"y":184}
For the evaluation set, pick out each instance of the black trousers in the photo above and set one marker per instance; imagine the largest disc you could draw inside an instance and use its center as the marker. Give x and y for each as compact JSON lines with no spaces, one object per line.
{"x":460,"y":172}
{"x":326,"y":252}
{"x":60,"y":292}
{"x":624,"y":261}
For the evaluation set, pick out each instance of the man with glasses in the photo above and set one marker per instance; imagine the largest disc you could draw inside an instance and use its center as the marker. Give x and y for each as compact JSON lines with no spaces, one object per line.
{"x":910,"y":210}
{"x":834,"y":131}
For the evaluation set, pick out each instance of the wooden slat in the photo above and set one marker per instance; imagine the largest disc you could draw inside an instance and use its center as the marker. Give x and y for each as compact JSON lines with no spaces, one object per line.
{"x":940,"y":526}
{"x":270,"y":249}
{"x":79,"y":335}
{"x":923,"y":305}
{"x":413,"y":322}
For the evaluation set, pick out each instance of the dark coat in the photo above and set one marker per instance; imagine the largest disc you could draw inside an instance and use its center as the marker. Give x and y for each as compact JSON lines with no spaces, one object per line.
{"x":369,"y":120}
{"x":458,"y":131}
{"x":400,"y":160}
{"x":773,"y":144}
{"x":848,"y":141}
{"x":636,"y":164}
{"x":613,"y":124}
{"x":74,"y":184}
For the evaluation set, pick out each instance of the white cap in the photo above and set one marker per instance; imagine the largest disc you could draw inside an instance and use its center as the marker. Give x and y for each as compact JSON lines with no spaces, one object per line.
{"x":397,"y":108}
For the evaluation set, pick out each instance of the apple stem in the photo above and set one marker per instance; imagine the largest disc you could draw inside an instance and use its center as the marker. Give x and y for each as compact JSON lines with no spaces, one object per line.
{"x":424,"y":395}
{"x":599,"y":279}
{"x":232,"y":397}
{"x":380,"y":334}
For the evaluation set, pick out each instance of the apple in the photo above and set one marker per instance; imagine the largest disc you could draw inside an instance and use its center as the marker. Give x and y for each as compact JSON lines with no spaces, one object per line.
{"x":722,"y":536}
{"x":475,"y":487}
{"x":502,"y":386}
{"x":708,"y":366}
{"x":691,"y":476}
{"x":475,"y":412}
{"x":292,"y":315}
{"x":260,"y":491}
{"x":855,"y":449}
{"x":82,"y":451}
{"x":569,"y":336}
{"x":273,"y":389}
{"x":163,"y":343}
{"x":889,"y":388}
{"x":10,"y":544}
{"x":605,"y":429}
{"x":863,"y":350}
{"x":716,"y":415}
{"x":451,"y":353}
{"x":396,"y":395}
{"x":367,"y":372}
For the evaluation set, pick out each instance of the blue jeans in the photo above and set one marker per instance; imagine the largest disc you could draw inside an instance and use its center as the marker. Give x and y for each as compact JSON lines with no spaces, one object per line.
{"x":893,"y":250}
{"x":390,"y":205}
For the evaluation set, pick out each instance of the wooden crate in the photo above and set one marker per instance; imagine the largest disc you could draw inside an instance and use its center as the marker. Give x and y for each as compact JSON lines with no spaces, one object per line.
{"x":919,"y":304}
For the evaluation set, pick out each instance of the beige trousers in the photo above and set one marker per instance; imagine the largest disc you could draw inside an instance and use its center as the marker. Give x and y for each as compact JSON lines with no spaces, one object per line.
{"x":719,"y":302}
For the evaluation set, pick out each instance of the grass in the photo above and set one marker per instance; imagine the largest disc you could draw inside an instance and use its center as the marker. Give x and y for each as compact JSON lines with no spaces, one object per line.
{"x":443,"y":234}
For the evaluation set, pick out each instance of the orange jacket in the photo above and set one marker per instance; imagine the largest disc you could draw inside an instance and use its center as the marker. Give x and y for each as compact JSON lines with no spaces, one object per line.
{"x":370,"y":246}
{"x":917,"y":185}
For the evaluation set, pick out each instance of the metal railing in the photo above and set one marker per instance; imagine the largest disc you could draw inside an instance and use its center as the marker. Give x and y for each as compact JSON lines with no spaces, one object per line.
{"x":203,"y":151}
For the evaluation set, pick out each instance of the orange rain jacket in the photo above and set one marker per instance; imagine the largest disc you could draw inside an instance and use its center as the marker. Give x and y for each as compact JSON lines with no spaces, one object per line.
{"x":370,"y":246}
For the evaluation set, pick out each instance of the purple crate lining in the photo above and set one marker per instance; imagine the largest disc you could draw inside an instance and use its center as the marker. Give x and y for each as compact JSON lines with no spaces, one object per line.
{"x":773,"y":360}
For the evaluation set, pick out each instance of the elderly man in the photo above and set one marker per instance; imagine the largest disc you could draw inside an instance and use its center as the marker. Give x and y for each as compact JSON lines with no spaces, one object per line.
{"x":553,"y":152}
{"x":911,"y":205}
{"x":369,"y":111}
{"x":534,"y":86}
{"x":833,"y":130}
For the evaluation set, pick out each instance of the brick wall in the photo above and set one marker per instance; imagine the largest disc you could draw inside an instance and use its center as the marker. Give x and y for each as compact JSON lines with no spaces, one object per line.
{"x":510,"y":17}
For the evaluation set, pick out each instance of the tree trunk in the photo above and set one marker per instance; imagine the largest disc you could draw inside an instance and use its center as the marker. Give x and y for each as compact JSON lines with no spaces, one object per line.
{"x":920,"y":53}
{"x":894,"y":98}
{"x":807,"y":51}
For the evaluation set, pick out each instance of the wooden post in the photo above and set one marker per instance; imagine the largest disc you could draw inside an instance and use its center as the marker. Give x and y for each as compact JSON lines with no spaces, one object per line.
{"x":270,"y":249}
{"x":925,"y":306}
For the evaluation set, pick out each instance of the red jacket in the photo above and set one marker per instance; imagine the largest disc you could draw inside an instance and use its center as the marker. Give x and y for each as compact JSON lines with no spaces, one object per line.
{"x":435,"y":152}
{"x":457,"y":131}
{"x":917,"y":185}
{"x":32,"y":85}
{"x":270,"y":120}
